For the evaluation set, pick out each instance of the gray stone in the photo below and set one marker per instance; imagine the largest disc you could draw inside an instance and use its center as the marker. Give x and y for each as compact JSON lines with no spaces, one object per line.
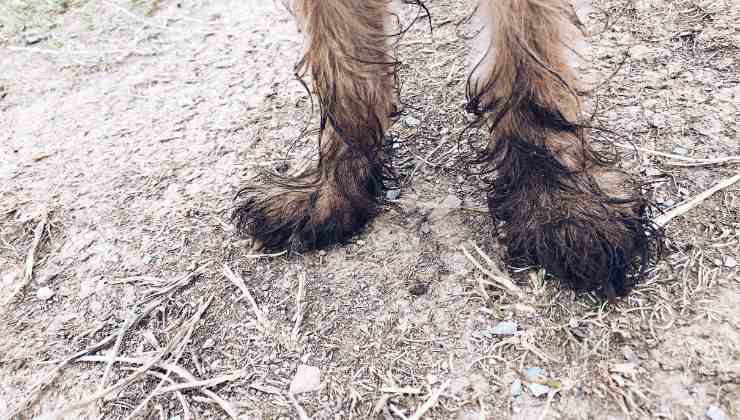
{"x":392,"y":194}
{"x":505,"y":328}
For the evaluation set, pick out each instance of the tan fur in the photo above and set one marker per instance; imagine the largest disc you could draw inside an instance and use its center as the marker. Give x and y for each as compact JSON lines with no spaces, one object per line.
{"x":347,"y":58}
{"x":523,"y":31}
{"x":342,"y":37}
{"x":529,"y":36}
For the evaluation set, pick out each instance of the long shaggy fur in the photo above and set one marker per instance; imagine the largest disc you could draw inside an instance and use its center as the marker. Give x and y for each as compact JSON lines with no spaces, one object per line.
{"x":347,"y":56}
{"x":565,"y":206}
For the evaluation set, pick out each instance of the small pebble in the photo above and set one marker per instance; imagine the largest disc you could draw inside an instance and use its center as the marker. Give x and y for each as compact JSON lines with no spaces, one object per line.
{"x":730,"y":262}
{"x":392,"y":194}
{"x":44,"y":293}
{"x":629,"y":354}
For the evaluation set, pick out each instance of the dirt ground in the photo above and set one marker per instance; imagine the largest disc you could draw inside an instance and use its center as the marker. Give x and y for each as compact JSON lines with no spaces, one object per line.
{"x":127,"y":127}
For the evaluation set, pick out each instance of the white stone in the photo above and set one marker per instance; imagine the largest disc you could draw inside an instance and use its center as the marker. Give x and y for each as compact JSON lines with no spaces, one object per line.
{"x":307,"y":379}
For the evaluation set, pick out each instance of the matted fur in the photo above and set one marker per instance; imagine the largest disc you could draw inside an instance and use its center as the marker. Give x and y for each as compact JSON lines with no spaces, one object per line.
{"x":347,"y":56}
{"x":565,"y":207}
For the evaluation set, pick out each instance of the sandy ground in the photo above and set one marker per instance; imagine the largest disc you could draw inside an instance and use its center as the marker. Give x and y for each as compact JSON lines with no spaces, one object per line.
{"x":127,"y":127}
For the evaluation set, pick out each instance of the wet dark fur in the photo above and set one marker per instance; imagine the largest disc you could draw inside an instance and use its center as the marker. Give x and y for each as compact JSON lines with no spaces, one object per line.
{"x":563,"y":221}
{"x":565,"y":206}
{"x":290,"y":214}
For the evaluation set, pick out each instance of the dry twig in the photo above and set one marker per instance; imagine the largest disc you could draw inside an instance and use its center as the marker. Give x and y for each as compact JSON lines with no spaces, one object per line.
{"x":689,"y":204}
{"x":398,"y":413}
{"x":400,"y":390}
{"x":39,"y":386}
{"x":206,"y":383}
{"x":118,"y":385}
{"x":298,"y":317}
{"x":177,"y":370}
{"x":38,"y":234}
{"x":172,"y":346}
{"x":497,"y":279}
{"x":175,"y":359}
{"x":258,"y":256}
{"x":64,"y":52}
{"x":262,"y":321}
{"x":187,"y":414}
{"x":683,"y":160}
{"x":301,"y":412}
{"x":158,"y":296}
{"x":430,"y":402}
